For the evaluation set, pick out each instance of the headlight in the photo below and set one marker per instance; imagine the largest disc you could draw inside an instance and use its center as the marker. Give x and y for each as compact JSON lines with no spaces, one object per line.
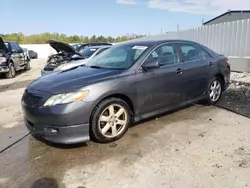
{"x":3,"y":59}
{"x":65,"y":98}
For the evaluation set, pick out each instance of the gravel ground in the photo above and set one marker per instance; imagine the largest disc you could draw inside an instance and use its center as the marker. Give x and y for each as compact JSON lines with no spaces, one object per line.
{"x":237,"y":97}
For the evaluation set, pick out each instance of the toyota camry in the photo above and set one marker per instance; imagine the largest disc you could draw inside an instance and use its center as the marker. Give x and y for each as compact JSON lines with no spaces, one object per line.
{"x":125,"y":84}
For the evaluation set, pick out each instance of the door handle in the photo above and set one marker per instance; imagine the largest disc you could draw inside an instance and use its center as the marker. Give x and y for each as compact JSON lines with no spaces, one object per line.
{"x":179,"y":71}
{"x":211,"y":64}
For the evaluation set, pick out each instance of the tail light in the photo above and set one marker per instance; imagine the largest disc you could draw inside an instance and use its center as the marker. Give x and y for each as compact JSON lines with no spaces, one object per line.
{"x":228,"y":62}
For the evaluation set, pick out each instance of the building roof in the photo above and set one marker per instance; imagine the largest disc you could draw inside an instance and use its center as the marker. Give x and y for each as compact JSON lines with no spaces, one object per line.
{"x":228,"y":12}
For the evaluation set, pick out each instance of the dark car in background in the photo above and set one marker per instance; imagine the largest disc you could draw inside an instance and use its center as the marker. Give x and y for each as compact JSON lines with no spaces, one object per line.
{"x":12,"y":58}
{"x":32,"y":54}
{"x":129,"y":82}
{"x":91,"y":44}
{"x":65,"y":54}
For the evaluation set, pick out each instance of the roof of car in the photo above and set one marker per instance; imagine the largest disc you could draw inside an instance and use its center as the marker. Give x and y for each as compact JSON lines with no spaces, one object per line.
{"x":99,"y":47}
{"x":150,"y":41}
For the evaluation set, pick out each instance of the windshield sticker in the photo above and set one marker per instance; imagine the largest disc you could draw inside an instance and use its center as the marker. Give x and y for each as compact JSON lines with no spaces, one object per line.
{"x":140,"y":47}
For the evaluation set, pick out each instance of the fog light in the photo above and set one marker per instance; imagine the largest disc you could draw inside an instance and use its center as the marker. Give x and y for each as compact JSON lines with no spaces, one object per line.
{"x":50,"y":130}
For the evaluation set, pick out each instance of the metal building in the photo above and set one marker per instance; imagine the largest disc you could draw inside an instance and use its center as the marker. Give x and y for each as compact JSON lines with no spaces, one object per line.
{"x":229,"y":16}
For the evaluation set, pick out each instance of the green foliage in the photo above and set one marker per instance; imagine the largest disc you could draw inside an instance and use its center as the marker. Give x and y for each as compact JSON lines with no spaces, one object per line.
{"x":44,"y":37}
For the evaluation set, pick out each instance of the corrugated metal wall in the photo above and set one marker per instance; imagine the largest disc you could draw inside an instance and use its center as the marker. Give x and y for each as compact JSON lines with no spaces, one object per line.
{"x":230,"y":38}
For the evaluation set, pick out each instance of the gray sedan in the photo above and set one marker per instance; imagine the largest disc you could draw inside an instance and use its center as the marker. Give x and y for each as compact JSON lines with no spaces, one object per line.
{"x":125,"y":84}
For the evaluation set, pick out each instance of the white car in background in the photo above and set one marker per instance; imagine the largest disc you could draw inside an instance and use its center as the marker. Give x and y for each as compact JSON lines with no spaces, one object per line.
{"x":88,"y":53}
{"x":68,"y":57}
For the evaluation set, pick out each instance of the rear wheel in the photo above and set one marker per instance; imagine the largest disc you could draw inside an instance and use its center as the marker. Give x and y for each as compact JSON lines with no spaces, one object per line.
{"x":12,"y":71}
{"x":110,"y":120}
{"x":27,"y":66}
{"x":214,"y":91}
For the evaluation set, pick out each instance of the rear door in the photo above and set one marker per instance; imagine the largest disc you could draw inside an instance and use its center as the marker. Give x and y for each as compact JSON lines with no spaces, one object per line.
{"x":195,"y":70}
{"x":20,"y":53}
{"x":15,"y":55}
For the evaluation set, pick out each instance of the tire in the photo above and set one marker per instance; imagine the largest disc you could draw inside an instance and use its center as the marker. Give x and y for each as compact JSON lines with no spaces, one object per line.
{"x":104,"y":109}
{"x":27,"y":66}
{"x":214,"y":91}
{"x":12,"y":71}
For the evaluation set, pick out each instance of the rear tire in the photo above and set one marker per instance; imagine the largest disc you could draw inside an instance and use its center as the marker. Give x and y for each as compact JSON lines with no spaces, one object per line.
{"x":110,"y":120}
{"x":12,"y":71}
{"x":214,"y":91}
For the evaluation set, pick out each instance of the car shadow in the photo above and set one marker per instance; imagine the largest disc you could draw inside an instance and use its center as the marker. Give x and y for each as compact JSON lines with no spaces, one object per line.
{"x":45,"y":183}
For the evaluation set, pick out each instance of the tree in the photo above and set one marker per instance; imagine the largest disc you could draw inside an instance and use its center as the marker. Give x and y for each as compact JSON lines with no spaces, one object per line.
{"x":44,"y":37}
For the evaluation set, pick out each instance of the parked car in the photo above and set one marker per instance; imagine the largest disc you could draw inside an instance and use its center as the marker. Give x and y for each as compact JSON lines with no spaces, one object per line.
{"x":32,"y":54}
{"x":88,"y":53}
{"x":67,"y":56}
{"x":65,"y":53}
{"x":75,"y":46}
{"x":26,"y":54}
{"x":127,"y":83}
{"x":12,"y":58}
{"x":91,"y":44}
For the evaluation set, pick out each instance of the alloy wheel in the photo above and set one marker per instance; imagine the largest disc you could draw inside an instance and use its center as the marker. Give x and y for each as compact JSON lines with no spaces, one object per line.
{"x":112,"y":121}
{"x":215,"y":91}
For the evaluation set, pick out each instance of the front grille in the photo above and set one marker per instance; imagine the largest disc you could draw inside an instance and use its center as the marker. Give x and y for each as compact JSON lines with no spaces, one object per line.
{"x":31,"y":100}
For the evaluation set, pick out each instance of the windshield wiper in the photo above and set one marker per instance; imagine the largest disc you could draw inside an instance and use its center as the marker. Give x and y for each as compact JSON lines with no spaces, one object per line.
{"x":96,"y":67}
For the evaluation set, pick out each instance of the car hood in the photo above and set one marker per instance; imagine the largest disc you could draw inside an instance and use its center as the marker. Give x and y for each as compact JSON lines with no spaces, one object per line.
{"x":72,"y":79}
{"x":2,"y":46}
{"x":62,"y":47}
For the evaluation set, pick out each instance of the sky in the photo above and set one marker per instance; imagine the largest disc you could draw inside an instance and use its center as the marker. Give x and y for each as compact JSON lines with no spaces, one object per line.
{"x":110,"y":17}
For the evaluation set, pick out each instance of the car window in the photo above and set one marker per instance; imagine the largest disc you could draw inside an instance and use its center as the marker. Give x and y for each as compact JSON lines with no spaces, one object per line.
{"x":118,"y":57}
{"x":164,"y":54}
{"x":190,"y":52}
{"x":206,"y":55}
{"x":13,"y":46}
{"x":101,"y":50}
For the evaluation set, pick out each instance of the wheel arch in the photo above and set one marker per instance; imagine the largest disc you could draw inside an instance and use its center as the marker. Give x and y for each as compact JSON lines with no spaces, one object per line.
{"x":221,"y":77}
{"x":123,"y":97}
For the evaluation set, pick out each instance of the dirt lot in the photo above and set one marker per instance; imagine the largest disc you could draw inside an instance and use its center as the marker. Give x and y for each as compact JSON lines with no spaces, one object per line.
{"x":199,"y":146}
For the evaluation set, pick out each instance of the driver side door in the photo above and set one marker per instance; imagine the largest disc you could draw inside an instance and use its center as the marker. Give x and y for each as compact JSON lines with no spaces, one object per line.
{"x":161,"y":87}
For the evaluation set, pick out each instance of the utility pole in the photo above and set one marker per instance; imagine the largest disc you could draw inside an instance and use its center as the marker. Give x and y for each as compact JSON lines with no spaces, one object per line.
{"x":161,"y":30}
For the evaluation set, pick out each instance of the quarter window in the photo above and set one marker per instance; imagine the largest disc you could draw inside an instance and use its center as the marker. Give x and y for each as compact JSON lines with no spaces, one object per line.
{"x":190,"y":52}
{"x":165,"y":55}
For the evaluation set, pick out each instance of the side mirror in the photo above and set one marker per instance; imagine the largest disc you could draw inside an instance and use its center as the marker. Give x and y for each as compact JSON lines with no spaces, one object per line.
{"x":151,"y":65}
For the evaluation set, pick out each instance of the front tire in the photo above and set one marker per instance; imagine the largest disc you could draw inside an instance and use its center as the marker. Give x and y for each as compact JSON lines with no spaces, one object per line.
{"x":110,"y":120}
{"x":12,"y":71}
{"x":214,"y":91}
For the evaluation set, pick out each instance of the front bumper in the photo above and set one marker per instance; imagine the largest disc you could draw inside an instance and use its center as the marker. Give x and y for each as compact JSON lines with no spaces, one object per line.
{"x":4,"y":69}
{"x":63,"y":124}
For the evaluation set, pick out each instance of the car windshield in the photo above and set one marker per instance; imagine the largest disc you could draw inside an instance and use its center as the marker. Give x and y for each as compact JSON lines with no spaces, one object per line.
{"x":118,"y":57}
{"x":87,"y":52}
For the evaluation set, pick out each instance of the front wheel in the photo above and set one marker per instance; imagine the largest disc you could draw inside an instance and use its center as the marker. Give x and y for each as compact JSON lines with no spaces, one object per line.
{"x":214,"y":91}
{"x":110,"y":120}
{"x":12,"y":71}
